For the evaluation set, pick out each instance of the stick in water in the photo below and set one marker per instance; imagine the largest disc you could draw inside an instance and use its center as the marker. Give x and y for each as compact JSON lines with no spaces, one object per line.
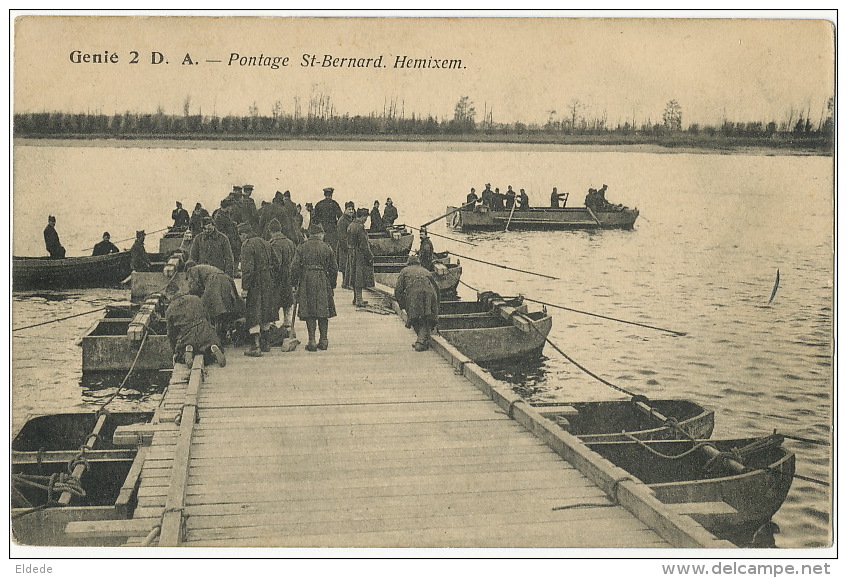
{"x":775,"y":287}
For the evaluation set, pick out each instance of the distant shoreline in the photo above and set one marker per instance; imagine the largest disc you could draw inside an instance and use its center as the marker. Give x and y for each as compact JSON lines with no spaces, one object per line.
{"x":533,"y":142}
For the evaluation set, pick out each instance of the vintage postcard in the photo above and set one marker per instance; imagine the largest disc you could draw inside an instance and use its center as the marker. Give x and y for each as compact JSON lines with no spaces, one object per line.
{"x":553,"y":283}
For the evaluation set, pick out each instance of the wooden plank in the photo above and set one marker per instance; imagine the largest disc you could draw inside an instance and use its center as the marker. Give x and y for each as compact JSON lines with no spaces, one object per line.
{"x":710,"y":508}
{"x":109,"y":528}
{"x":130,"y":485}
{"x":61,"y":456}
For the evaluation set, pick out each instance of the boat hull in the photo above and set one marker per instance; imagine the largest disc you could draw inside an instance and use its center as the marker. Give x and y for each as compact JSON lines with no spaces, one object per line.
{"x":755,"y":495}
{"x":70,"y":273}
{"x":172,"y":241}
{"x":482,"y":219}
{"x":390,"y":243}
{"x":497,"y":341}
{"x":447,"y":278}
{"x":600,"y":421}
{"x":107,"y":347}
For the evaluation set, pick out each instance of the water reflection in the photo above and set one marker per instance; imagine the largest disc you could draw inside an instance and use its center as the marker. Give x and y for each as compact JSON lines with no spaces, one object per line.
{"x":141,"y":386}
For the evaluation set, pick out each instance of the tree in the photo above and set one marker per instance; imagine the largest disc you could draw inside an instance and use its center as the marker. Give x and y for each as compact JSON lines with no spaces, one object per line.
{"x":672,"y":117}
{"x":464,"y":113}
{"x":574,"y":108}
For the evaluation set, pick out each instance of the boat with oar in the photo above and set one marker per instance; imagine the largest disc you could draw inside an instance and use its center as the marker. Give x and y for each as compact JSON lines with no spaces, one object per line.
{"x":494,"y":329}
{"x":396,"y":240}
{"x":481,"y":218}
{"x":622,"y":420}
{"x":71,"y":272}
{"x":387,"y":268}
{"x":731,"y":487}
{"x":66,"y":468}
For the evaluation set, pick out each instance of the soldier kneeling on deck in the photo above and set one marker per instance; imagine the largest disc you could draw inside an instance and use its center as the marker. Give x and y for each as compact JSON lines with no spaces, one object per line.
{"x":190,"y":332}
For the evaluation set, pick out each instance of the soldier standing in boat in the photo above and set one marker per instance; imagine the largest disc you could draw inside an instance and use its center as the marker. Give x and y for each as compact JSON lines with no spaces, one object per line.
{"x":315,"y":273}
{"x":426,"y":253}
{"x":190,"y":332}
{"x":195,"y":222}
{"x":376,"y":219}
{"x":523,"y":201}
{"x":341,"y":234}
{"x":360,"y":258}
{"x":258,"y":262}
{"x":180,"y":217}
{"x":555,"y":197}
{"x":284,"y":249}
{"x":472,"y":200}
{"x":326,"y":213}
{"x":416,"y":291}
{"x":487,"y":195}
{"x":139,"y":259}
{"x":389,"y":215}
{"x":105,"y":247}
{"x":510,"y":198}
{"x":217,"y":291}
{"x":51,"y":239}
{"x":211,"y":247}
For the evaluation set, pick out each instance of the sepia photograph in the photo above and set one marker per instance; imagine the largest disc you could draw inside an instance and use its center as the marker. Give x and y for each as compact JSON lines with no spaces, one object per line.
{"x":543,"y":284}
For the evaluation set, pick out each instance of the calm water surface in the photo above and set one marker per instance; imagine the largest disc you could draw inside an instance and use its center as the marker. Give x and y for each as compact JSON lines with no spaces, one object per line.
{"x":702,"y":260}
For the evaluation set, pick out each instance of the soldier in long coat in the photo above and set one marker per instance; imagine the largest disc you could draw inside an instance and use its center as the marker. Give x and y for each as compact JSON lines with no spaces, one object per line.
{"x":315,"y":273}
{"x":258,"y":262}
{"x":217,"y":291}
{"x":188,"y":327}
{"x":211,"y":247}
{"x":427,"y":252}
{"x":139,"y":259}
{"x":248,"y":208}
{"x":225,"y":224}
{"x":341,"y":247}
{"x":360,"y":259}
{"x":326,"y":213}
{"x":416,"y":291}
{"x":284,"y":250}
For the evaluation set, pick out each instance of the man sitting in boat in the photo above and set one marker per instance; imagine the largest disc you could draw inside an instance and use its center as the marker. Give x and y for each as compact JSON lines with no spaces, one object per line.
{"x":139,"y":259}
{"x":180,"y":217}
{"x":105,"y":247}
{"x":188,"y":327}
{"x":389,"y":215}
{"x":51,"y":239}
{"x":523,"y":201}
{"x":416,"y":291}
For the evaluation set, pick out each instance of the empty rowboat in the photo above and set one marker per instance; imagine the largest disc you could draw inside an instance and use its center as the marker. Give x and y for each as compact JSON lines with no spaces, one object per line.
{"x":71,"y":272}
{"x":659,"y":419}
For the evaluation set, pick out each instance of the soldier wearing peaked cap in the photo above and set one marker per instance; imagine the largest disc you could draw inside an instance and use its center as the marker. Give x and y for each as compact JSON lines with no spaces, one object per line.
{"x":315,"y":274}
{"x":326,"y":213}
{"x":139,"y":259}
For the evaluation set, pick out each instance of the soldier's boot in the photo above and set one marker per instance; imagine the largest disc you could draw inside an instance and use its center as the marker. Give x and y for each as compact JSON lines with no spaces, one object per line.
{"x":219,"y":355}
{"x":264,"y":344}
{"x":323,"y":324}
{"x":188,"y":355}
{"x":310,"y":327}
{"x":254,"y":350}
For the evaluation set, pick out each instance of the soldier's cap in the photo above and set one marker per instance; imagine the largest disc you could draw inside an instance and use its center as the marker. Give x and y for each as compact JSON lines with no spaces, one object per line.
{"x":236,"y":189}
{"x":328,"y":190}
{"x":316,"y":229}
{"x":248,"y":187}
{"x":487,"y":184}
{"x":140,"y":233}
{"x":349,"y":205}
{"x":106,"y":234}
{"x":278,"y":195}
{"x":275,"y":227}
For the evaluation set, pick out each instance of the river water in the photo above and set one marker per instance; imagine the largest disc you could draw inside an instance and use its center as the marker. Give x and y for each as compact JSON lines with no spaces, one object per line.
{"x":714,"y":229}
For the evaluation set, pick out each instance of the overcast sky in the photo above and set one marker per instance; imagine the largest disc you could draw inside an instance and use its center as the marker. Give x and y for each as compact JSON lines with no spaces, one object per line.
{"x":521,"y":69}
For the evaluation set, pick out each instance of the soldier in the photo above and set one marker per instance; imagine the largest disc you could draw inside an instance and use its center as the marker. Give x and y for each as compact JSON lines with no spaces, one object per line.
{"x":376,"y":220}
{"x":139,"y":259}
{"x":416,"y":291}
{"x":189,"y":331}
{"x":180,"y":217}
{"x":326,"y":213}
{"x":284,"y":249}
{"x":105,"y":247}
{"x":487,"y":195}
{"x":389,"y":215}
{"x":510,"y":198}
{"x":258,"y":262}
{"x":472,"y":200}
{"x":217,"y":291}
{"x":360,"y":259}
{"x":211,"y":247}
{"x":315,"y":274}
{"x":51,"y":239}
{"x":195,"y":223}
{"x":426,"y":253}
{"x":248,"y":208}
{"x":341,"y":247}
{"x":523,"y":199}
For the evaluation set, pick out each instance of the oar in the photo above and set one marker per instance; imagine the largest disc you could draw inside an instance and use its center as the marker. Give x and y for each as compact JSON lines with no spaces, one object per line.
{"x":444,"y":236}
{"x":447,"y":214}
{"x":593,"y":216}
{"x":129,"y":238}
{"x":505,"y":267}
{"x":680,"y":333}
{"x":775,"y":287}
{"x":512,"y":212}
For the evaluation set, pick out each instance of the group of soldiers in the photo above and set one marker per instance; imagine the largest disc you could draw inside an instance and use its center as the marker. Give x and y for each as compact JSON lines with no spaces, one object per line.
{"x":283,"y":269}
{"x":497,"y":201}
{"x":596,"y":200}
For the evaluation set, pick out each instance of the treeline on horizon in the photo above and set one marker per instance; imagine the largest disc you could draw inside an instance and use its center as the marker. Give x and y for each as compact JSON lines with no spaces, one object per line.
{"x":797,"y":132}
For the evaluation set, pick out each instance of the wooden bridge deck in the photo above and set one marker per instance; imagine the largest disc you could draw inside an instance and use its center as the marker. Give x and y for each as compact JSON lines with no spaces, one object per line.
{"x":367,"y":444}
